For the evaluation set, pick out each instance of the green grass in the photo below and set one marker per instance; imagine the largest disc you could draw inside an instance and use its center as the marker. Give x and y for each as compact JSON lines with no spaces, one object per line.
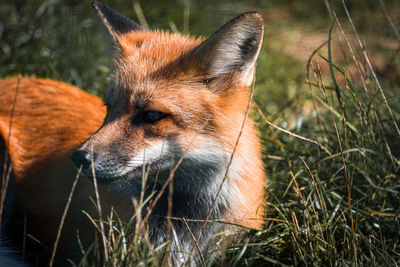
{"x":310,"y":190}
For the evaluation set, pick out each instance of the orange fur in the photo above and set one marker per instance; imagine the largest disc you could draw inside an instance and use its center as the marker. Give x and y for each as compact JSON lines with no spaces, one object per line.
{"x":52,"y":119}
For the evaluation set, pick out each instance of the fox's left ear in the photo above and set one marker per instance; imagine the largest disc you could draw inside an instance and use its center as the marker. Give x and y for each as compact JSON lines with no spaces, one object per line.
{"x":116,"y":23}
{"x":232,"y":51}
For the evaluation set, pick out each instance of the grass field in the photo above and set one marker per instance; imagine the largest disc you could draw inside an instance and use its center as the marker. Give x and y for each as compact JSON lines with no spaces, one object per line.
{"x":327,"y":104}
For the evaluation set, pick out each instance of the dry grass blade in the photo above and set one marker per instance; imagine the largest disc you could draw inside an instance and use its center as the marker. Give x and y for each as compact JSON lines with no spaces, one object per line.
{"x":138,"y":206}
{"x":92,"y":221}
{"x":96,"y":190}
{"x":290,"y":133}
{"x":298,"y":190}
{"x":194,"y":239}
{"x":64,"y":215}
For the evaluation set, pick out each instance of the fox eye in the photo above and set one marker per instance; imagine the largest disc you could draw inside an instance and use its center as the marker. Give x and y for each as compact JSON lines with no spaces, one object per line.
{"x":153,"y":116}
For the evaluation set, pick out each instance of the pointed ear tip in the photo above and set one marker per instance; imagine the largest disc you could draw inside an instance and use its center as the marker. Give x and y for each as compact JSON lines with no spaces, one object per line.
{"x":99,"y":7}
{"x":95,"y":4}
{"x":253,"y":16}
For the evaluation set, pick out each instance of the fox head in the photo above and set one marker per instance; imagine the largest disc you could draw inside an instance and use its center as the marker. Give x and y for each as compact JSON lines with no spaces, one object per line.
{"x":172,"y":97}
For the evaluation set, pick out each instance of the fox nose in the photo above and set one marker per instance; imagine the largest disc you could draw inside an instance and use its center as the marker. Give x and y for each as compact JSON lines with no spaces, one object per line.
{"x":81,"y":158}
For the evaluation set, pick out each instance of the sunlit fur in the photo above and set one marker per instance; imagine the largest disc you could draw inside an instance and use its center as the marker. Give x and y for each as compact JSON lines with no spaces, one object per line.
{"x":206,"y":103}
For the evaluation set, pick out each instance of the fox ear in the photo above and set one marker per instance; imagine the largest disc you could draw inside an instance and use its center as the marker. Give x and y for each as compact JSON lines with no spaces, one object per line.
{"x":233,"y":49}
{"x":116,"y":23}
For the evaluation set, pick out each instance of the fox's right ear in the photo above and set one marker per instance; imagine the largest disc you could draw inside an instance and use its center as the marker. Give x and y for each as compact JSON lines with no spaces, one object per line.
{"x":116,"y":23}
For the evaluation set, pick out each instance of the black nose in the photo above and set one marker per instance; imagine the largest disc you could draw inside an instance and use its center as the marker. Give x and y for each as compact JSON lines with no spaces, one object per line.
{"x":81,"y":158}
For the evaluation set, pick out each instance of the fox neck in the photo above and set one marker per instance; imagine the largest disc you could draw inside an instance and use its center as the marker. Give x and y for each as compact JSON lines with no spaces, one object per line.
{"x":195,"y":186}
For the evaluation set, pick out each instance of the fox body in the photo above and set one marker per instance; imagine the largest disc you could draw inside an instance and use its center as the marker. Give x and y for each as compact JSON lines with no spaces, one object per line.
{"x":176,"y":110}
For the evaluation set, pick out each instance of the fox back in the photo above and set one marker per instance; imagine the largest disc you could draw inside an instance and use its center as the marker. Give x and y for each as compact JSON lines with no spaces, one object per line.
{"x":176,"y":116}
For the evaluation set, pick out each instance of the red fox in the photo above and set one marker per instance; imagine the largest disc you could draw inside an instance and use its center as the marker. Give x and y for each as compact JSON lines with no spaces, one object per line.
{"x":173,"y":102}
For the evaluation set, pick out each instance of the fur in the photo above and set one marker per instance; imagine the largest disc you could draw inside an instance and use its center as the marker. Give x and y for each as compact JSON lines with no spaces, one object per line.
{"x":198,"y":90}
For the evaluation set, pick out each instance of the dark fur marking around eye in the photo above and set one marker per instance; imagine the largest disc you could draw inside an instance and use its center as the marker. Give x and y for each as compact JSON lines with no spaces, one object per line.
{"x":148,"y":117}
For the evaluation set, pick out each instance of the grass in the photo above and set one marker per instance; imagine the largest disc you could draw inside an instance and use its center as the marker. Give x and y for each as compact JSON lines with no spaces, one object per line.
{"x":334,"y":192}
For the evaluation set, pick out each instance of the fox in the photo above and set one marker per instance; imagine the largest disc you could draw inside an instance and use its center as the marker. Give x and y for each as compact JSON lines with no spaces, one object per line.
{"x":175,"y":111}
